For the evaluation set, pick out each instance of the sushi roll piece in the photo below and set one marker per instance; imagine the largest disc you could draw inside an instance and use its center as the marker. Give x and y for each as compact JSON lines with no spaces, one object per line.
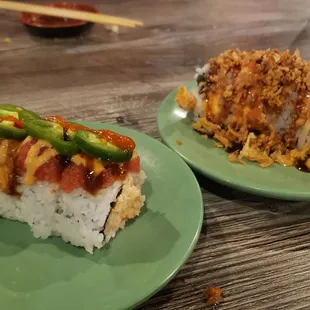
{"x":67,"y":180}
{"x":255,"y":104}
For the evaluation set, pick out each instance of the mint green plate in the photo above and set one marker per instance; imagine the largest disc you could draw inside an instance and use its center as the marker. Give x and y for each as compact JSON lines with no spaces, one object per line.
{"x":276,"y":181}
{"x":50,"y":274}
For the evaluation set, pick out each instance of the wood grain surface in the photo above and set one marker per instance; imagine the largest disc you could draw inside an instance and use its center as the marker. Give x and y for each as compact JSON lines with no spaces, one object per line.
{"x":257,"y":250}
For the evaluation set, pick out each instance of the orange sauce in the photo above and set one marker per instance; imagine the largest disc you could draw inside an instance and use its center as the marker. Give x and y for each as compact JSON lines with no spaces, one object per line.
{"x":112,"y":137}
{"x":41,"y":161}
{"x":66,"y":126}
{"x":34,"y":159}
{"x":57,"y":119}
{"x":17,"y":122}
{"x":122,"y":142}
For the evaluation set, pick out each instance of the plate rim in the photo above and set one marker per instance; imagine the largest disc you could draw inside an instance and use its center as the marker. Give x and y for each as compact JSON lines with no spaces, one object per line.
{"x":220,"y":178}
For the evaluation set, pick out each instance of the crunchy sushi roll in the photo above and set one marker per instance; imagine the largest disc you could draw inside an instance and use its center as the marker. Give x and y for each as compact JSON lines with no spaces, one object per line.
{"x":67,"y":180}
{"x":255,"y":105}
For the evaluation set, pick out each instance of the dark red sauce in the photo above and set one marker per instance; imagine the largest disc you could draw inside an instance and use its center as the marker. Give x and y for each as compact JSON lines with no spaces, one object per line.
{"x":87,"y":179}
{"x":93,"y":183}
{"x":63,"y":160}
{"x":42,"y":150}
{"x":210,"y":135}
{"x":107,"y":177}
{"x":60,"y":169}
{"x":13,"y":184}
{"x":46,"y":21}
{"x":234,"y":147}
{"x":75,"y":176}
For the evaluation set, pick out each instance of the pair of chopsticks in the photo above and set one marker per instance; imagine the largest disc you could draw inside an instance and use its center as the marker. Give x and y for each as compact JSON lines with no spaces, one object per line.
{"x":72,"y":14}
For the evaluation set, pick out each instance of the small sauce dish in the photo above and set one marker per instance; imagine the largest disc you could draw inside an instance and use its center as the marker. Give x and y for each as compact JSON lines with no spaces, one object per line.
{"x":52,"y":26}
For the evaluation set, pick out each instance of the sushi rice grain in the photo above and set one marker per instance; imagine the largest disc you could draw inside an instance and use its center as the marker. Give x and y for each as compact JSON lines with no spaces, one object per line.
{"x":80,"y":218}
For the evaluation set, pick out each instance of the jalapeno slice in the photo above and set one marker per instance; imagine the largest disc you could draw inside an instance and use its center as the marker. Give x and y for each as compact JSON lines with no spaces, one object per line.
{"x":26,"y":114}
{"x":17,"y":112}
{"x":91,"y":144}
{"x":72,"y":128}
{"x":9,"y":131}
{"x":8,"y":110}
{"x":11,"y":126}
{"x":51,"y":132}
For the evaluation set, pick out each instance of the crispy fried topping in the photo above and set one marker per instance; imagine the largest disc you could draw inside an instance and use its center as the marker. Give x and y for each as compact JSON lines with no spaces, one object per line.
{"x":185,"y":99}
{"x":260,"y":99}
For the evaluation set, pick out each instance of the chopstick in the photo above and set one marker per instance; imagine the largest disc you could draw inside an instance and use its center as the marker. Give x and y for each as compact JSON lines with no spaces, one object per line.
{"x":73,"y":14}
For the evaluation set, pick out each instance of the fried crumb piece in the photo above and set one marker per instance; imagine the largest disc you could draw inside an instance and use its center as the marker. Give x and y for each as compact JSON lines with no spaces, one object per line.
{"x":214,"y":295}
{"x":219,"y":145}
{"x":112,"y":28}
{"x":185,"y":99}
{"x":265,"y":93}
{"x":7,"y":40}
{"x":234,"y":158}
{"x":179,"y":142}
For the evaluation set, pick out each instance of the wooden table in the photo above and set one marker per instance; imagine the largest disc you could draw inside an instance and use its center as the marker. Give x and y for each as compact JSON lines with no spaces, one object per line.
{"x":257,"y":250}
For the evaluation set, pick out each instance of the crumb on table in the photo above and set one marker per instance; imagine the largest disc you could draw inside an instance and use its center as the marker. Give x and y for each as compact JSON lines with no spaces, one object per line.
{"x":112,"y":28}
{"x":7,"y":40}
{"x":214,"y":295}
{"x":179,"y":142}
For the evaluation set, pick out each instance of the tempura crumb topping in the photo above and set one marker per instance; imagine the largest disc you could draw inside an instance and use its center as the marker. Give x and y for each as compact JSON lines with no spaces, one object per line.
{"x":257,"y":99}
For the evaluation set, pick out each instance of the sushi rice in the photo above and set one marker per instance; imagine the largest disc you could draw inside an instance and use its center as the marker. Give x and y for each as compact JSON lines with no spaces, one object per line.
{"x":83,"y":219}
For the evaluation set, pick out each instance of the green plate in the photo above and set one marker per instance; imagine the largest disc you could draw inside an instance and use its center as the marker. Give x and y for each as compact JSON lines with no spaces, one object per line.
{"x":51,"y":274}
{"x":276,"y":181}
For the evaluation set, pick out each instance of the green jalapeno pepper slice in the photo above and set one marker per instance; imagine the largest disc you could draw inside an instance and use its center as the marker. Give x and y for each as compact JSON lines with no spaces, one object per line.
{"x":9,"y":131}
{"x":17,"y":112}
{"x":94,"y":146}
{"x":11,"y":125}
{"x":51,"y":132}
